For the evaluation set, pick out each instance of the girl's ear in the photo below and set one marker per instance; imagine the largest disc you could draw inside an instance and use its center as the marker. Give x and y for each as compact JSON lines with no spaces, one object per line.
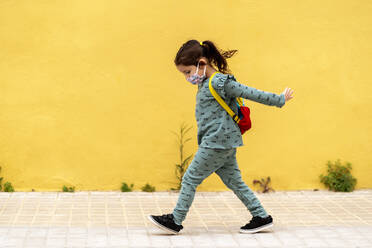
{"x":203,"y":61}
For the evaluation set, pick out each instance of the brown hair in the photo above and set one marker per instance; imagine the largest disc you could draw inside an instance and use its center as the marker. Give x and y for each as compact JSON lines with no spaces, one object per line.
{"x":191,"y":51}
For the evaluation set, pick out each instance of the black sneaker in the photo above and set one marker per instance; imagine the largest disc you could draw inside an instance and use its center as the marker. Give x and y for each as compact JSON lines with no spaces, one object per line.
{"x":257,"y":224}
{"x":166,"y":223}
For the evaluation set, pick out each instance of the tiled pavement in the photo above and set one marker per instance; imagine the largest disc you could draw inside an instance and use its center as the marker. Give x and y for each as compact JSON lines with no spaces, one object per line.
{"x":116,"y":219}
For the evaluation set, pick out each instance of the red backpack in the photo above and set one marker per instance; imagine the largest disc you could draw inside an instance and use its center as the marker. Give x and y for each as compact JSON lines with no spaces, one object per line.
{"x":243,"y":118}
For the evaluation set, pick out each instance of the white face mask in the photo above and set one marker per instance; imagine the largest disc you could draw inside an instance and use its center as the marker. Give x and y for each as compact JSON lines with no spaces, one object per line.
{"x":195,"y":78}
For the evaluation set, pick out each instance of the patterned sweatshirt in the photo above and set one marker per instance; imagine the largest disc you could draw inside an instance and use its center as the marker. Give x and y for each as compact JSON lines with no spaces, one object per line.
{"x":216,"y":128}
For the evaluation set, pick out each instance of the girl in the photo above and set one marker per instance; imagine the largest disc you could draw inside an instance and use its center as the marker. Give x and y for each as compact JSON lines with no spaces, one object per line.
{"x":218,"y":135}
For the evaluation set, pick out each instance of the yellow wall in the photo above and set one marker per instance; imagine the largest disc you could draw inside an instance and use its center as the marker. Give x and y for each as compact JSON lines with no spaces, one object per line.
{"x":90,"y":95}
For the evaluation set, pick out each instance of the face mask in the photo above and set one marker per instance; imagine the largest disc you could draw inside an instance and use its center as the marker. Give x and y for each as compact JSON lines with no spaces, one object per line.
{"x":195,"y":78}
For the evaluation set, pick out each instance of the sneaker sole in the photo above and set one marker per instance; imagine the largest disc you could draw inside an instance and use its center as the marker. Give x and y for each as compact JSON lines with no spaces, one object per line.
{"x":161,"y":226}
{"x":257,"y":229}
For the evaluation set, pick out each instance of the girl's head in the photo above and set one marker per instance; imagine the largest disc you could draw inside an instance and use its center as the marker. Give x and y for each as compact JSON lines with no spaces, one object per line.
{"x":194,"y":53}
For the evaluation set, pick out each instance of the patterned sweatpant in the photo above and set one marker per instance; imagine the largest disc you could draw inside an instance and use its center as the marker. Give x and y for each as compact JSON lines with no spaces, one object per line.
{"x":223,"y":162}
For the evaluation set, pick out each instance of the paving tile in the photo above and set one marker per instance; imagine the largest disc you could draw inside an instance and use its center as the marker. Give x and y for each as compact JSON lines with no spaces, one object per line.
{"x":245,"y":240}
{"x":119,"y":219}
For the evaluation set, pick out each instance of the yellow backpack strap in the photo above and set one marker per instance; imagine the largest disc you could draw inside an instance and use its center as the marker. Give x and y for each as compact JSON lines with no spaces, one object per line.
{"x":240,"y":101}
{"x":222,"y":102}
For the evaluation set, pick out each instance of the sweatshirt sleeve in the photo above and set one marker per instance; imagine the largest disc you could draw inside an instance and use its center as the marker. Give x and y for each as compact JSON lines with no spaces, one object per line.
{"x":235,"y":89}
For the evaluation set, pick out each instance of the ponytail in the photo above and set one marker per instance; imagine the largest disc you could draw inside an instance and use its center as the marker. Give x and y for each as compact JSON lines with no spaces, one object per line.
{"x":192,"y":51}
{"x":217,"y":57}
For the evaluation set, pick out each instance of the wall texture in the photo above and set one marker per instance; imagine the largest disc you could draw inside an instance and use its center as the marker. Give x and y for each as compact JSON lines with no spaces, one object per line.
{"x":89,"y":94}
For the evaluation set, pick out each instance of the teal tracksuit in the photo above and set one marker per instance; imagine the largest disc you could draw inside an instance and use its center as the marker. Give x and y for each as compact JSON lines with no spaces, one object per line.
{"x":218,"y":138}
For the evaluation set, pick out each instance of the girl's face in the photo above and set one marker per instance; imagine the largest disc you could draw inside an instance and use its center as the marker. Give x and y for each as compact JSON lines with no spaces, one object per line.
{"x":188,"y":70}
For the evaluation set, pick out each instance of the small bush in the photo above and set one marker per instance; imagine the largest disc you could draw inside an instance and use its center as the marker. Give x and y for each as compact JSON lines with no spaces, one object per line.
{"x":264,"y":184}
{"x":339,"y":177}
{"x":148,"y":188}
{"x":8,"y":187}
{"x":68,"y":189}
{"x":184,"y":161}
{"x":126,"y":188}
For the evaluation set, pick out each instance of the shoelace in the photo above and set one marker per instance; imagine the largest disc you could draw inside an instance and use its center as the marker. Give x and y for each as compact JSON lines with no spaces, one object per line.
{"x":252,"y":220}
{"x":167,"y":216}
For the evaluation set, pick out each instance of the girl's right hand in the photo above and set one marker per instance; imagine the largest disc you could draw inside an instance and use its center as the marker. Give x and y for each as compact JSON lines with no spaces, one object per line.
{"x":288,"y":94}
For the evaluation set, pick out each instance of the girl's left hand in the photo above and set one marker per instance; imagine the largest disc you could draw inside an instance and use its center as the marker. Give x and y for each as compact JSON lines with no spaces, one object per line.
{"x":288,"y":94}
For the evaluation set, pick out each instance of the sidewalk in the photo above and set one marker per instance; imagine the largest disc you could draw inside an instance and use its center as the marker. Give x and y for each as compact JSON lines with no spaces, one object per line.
{"x":116,"y":219}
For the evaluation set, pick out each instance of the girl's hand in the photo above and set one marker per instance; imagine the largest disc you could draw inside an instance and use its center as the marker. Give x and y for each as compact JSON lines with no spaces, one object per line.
{"x":287,"y":94}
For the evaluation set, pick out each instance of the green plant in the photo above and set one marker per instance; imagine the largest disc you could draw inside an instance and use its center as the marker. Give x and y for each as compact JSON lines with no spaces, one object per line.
{"x":339,"y":177}
{"x":68,"y":189}
{"x":264,"y":184}
{"x":126,"y":188}
{"x":184,"y":161}
{"x":148,"y":188}
{"x":7,"y":185}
